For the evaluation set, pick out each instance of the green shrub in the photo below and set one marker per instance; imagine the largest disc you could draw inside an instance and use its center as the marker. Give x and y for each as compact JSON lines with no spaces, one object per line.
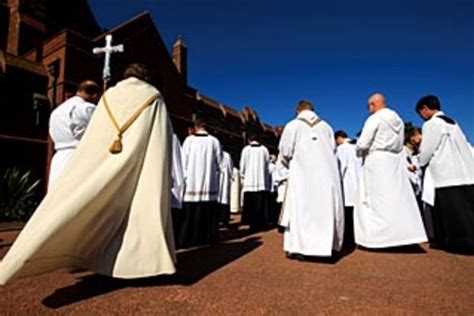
{"x":18,"y":195}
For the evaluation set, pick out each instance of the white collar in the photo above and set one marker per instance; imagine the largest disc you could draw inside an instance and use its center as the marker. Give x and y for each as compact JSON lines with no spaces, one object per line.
{"x":439,"y":113}
{"x":308,"y":115}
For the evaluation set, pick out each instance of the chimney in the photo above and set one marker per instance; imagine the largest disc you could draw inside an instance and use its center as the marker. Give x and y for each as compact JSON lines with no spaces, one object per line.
{"x":13,"y":41}
{"x":180,"y":58}
{"x":25,"y":31}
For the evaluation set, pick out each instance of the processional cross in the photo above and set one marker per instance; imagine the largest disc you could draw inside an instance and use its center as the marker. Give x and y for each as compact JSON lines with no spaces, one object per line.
{"x":108,"y":50}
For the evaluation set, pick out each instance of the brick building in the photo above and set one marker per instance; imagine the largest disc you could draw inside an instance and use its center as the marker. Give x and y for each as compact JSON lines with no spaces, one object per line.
{"x":46,"y":50}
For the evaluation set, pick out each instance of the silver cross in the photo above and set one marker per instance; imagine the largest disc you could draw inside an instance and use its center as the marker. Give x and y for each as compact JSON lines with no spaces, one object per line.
{"x":108,"y":50}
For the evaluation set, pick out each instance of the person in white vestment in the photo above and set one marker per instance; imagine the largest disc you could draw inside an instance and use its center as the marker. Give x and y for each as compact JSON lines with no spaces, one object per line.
{"x":411,"y":149}
{"x":177,"y":187}
{"x":225,"y":182}
{"x":256,"y":184}
{"x":446,"y":154}
{"x":274,"y":212}
{"x":235,"y":192}
{"x":68,"y":123}
{"x":280,"y":176}
{"x":198,"y":220}
{"x":350,"y":169}
{"x":313,"y":210}
{"x":386,"y":212}
{"x":109,"y":211}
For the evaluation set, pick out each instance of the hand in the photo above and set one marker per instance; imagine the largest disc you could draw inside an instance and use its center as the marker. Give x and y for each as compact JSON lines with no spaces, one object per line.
{"x":411,"y":168}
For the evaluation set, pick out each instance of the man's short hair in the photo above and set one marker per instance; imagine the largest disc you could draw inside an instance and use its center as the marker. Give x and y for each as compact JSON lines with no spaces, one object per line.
{"x":90,"y":87}
{"x":199,"y":122}
{"x":252,"y":137}
{"x":430,"y":101}
{"x":304,"y":105}
{"x":137,"y":70}
{"x":340,"y":133}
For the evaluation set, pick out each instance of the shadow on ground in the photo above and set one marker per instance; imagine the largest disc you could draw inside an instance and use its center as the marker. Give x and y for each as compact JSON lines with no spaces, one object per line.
{"x":234,"y":231}
{"x":193,"y":265}
{"x":410,"y":249}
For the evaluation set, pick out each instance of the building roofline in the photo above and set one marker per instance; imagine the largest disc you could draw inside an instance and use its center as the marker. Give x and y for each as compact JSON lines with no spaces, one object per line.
{"x":121,"y":25}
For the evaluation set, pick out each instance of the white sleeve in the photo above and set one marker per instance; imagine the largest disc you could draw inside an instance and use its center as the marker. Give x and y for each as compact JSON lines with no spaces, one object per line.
{"x":219,"y":154}
{"x":243,"y":162}
{"x":267,"y":155}
{"x":80,"y":116}
{"x":177,"y":170}
{"x":431,"y":138}
{"x":332,"y":139}
{"x":281,"y":171}
{"x":185,"y":155}
{"x":367,"y":136}
{"x":287,"y":145}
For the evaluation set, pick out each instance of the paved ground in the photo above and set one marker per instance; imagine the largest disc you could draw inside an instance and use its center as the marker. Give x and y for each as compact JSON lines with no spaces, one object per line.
{"x":249,"y":274}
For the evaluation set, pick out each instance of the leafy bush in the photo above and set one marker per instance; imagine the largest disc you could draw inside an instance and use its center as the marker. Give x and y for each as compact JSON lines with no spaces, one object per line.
{"x":18,"y":195}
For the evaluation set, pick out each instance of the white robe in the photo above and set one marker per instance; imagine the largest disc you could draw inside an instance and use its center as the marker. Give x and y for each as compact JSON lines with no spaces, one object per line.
{"x":272,"y":173}
{"x":108,"y":213}
{"x":177,"y":174}
{"x":386,"y":212}
{"x":254,"y":168}
{"x":350,"y":167}
{"x":225,"y":178}
{"x":67,"y":124}
{"x":415,"y":177}
{"x":202,"y":158}
{"x":313,"y":209}
{"x":235,"y":192}
{"x":281,"y":179}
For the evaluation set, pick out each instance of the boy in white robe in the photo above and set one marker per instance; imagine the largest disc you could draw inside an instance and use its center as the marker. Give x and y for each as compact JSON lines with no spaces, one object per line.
{"x":313,"y":210}
{"x":350,"y":168}
{"x":67,"y":125}
{"x":198,"y":220}
{"x":274,"y":211}
{"x":280,"y":177}
{"x":235,"y":192}
{"x":256,"y":184}
{"x":411,"y":151}
{"x":225,"y":181}
{"x":386,"y":212}
{"x":177,"y":187}
{"x":446,"y":152}
{"x":110,"y":209}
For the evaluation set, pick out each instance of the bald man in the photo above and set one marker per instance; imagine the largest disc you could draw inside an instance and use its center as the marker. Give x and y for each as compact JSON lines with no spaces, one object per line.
{"x":67,"y":124}
{"x":386,"y":212}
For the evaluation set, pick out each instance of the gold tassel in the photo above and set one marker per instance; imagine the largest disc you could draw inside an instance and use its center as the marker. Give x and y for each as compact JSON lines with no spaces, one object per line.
{"x":116,"y":147}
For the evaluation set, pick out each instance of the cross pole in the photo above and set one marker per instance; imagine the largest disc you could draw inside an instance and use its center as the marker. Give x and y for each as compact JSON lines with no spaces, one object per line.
{"x":108,"y":50}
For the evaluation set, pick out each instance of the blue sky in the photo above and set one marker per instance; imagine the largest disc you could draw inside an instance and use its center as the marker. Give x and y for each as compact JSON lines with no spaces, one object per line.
{"x":270,"y":54}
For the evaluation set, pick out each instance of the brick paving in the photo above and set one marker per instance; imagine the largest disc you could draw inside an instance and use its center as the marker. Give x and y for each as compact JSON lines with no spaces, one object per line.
{"x":249,"y":275}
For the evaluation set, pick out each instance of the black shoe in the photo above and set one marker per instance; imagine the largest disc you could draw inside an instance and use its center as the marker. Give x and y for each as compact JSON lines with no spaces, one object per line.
{"x":295,"y":256}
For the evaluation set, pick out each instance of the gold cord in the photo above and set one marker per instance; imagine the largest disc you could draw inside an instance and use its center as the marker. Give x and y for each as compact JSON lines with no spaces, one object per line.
{"x":117,"y":145}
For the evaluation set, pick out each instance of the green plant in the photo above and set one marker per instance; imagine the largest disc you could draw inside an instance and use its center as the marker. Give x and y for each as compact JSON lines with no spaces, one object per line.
{"x":18,"y":195}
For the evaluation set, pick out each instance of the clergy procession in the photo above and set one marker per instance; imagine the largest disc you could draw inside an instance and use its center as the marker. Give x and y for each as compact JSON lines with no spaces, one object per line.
{"x":125,"y":194}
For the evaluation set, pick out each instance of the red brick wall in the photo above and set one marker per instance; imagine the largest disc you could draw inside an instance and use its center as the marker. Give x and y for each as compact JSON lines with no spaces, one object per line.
{"x":4,"y":21}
